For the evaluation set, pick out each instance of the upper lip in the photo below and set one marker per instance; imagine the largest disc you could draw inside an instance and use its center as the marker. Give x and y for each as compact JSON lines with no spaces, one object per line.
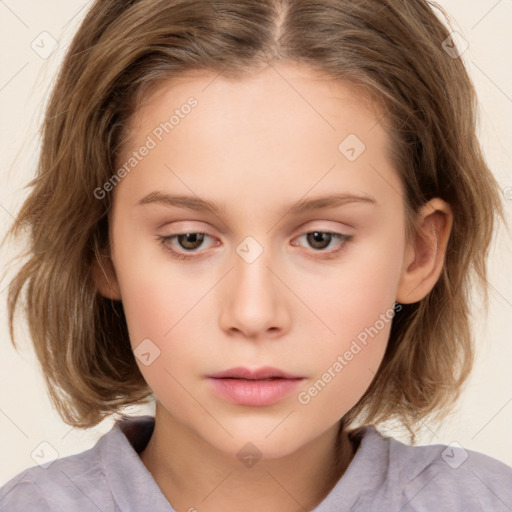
{"x":265,"y":372}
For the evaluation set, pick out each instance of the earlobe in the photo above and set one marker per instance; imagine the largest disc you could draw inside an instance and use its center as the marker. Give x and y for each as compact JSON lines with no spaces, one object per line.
{"x":424,"y":257}
{"x":105,"y":278}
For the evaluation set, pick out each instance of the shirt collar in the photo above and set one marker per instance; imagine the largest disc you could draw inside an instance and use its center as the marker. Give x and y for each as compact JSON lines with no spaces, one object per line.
{"x":134,"y":488}
{"x":132,"y":485}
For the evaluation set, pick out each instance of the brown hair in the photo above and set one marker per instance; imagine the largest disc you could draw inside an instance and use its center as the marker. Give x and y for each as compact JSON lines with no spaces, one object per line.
{"x":392,"y":49}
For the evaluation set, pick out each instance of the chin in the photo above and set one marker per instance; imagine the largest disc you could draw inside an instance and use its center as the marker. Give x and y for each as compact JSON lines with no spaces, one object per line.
{"x":262,"y":443}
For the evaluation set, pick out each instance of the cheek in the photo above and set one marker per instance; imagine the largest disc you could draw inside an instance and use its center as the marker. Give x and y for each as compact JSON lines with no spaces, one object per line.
{"x":171,"y":314}
{"x":342,"y":380}
{"x":359,"y":289}
{"x":150,"y":305}
{"x":166,"y":309}
{"x":165,"y":318}
{"x":155,"y":293}
{"x":356,"y":304}
{"x":348,"y":361}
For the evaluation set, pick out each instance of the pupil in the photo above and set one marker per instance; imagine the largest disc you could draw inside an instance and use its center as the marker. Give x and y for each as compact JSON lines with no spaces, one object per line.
{"x":191,"y":240}
{"x":319,"y":240}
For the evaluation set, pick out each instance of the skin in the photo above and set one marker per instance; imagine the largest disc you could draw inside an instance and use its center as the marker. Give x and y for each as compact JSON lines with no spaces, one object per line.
{"x":255,"y":145}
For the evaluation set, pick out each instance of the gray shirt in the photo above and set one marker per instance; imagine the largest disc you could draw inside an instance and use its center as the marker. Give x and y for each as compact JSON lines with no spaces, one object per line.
{"x":385,"y":475}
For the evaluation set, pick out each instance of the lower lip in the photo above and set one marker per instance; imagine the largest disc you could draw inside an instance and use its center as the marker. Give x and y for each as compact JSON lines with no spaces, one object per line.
{"x":254,"y":392}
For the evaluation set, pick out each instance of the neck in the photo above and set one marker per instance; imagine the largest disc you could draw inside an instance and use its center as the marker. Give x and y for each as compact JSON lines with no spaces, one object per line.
{"x":193,"y":474}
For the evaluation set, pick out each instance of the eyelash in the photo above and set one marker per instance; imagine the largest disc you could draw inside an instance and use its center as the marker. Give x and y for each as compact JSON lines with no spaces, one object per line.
{"x":343,"y":240}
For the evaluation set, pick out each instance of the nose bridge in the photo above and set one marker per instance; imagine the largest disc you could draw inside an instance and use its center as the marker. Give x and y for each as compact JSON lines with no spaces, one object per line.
{"x":254,"y":302}
{"x":252,"y":279}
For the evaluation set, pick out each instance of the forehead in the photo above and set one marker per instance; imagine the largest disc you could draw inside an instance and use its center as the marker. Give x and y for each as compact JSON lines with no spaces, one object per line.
{"x":286,"y":127}
{"x":298,"y":91}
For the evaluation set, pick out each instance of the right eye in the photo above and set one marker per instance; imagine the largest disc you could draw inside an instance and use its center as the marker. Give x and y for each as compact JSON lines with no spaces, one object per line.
{"x":188,"y":242}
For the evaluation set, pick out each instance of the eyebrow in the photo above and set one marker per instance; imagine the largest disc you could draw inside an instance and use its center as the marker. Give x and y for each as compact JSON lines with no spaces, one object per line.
{"x":302,"y":206}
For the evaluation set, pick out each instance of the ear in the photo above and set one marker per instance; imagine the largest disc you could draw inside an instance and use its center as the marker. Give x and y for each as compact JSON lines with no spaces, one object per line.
{"x":105,"y":278}
{"x":424,"y":257}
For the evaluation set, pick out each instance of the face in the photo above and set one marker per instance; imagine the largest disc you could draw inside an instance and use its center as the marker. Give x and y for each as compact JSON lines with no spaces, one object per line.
{"x":258,"y":282}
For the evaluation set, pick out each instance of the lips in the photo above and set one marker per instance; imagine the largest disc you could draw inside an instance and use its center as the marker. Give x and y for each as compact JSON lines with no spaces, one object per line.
{"x":257,"y":388}
{"x":266,"y":372}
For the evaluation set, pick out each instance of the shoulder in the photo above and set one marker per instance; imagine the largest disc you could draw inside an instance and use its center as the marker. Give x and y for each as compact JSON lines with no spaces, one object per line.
{"x":448,"y":477}
{"x":108,"y":477}
{"x":75,"y":482}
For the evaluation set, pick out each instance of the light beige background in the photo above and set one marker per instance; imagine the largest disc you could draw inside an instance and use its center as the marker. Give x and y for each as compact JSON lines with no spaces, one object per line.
{"x":483,"y":419}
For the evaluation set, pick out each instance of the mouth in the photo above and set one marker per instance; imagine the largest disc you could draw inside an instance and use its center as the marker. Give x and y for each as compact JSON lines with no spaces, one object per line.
{"x":263,"y":373}
{"x":257,"y":388}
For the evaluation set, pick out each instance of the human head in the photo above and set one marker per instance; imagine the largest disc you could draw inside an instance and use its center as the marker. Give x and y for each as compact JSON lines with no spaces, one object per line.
{"x":120,"y":54}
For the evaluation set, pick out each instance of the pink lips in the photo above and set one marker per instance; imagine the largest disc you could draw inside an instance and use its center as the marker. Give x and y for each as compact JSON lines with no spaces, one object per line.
{"x":259,"y":387}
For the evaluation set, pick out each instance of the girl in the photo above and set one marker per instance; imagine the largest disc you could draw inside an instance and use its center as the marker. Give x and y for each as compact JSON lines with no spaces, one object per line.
{"x":264,"y":215}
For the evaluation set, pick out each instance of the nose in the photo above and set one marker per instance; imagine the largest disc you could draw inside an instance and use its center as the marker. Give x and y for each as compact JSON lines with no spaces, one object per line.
{"x":254,"y":300}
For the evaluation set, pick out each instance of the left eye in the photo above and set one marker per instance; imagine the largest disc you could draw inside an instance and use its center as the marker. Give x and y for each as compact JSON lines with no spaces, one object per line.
{"x":320,"y":240}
